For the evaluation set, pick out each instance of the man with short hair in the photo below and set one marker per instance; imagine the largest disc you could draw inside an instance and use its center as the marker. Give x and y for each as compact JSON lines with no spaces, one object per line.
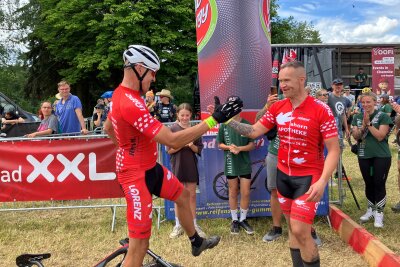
{"x":136,"y":134}
{"x":304,"y":125}
{"x":361,"y":78}
{"x":339,"y":105}
{"x":69,"y":111}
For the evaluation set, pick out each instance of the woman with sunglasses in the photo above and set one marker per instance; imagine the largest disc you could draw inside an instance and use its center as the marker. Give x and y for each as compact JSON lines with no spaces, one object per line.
{"x":322,"y":94}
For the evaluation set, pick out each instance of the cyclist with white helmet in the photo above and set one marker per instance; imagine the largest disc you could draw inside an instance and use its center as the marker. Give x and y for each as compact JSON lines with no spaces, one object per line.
{"x":136,"y":133}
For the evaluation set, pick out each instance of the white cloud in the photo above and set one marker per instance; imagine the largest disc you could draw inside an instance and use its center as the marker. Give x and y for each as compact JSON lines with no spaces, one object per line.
{"x":338,"y":31}
{"x":381,"y":2}
{"x":379,"y":28}
{"x":300,"y":9}
{"x":310,"y":6}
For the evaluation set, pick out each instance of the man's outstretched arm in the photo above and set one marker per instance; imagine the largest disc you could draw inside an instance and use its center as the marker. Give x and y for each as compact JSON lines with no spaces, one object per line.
{"x":252,"y":131}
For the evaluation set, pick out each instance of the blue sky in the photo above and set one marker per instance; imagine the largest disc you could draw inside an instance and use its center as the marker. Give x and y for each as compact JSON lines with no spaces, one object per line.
{"x":347,"y":21}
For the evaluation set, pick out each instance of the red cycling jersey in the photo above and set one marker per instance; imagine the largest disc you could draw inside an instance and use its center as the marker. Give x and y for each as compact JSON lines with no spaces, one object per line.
{"x":301,"y":132}
{"x":134,"y":129}
{"x":139,"y":175}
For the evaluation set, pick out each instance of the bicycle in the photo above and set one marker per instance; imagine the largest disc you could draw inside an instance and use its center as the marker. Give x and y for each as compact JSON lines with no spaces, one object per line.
{"x":30,"y":260}
{"x":220,"y":182}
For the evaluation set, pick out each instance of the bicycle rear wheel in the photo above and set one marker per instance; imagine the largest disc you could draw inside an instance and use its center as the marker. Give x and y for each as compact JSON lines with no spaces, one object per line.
{"x":156,"y":264}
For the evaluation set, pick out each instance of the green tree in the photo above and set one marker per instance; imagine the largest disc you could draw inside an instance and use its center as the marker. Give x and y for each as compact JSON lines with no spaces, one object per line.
{"x":289,"y":31}
{"x":82,"y":41}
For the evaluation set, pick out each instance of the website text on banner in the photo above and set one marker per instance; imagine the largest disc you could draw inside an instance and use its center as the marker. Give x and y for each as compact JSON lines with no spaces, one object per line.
{"x":58,"y":170}
{"x":234,"y":54}
{"x":212,"y":201}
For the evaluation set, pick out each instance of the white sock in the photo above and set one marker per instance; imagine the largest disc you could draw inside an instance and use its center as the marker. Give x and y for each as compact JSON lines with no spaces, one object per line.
{"x":243,"y":214}
{"x":177,"y":221}
{"x":234,"y":215}
{"x":195,"y":222}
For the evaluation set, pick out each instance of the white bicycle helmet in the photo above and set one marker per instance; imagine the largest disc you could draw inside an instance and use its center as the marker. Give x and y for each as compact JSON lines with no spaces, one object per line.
{"x":143,"y":55}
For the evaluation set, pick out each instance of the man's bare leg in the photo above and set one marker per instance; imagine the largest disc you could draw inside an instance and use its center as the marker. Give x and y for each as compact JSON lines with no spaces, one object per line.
{"x":300,"y":237}
{"x":275,"y":209}
{"x":184,"y":213}
{"x":136,"y":252}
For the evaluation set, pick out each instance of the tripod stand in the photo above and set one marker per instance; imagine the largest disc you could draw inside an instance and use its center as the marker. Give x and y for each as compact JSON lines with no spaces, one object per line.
{"x":342,"y":174}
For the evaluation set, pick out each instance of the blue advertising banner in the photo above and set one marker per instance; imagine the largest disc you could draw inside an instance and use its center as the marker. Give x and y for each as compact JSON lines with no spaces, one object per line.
{"x":212,"y":198}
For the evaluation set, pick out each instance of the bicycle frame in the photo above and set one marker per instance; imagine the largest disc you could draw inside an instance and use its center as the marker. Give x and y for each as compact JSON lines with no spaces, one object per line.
{"x":30,"y":260}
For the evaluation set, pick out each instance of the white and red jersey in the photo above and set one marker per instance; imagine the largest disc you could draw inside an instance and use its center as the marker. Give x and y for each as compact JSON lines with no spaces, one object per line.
{"x":135,"y":129}
{"x":301,"y":131}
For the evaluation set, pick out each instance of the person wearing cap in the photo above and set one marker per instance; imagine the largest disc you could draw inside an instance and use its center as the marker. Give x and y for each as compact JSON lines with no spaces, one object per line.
{"x":361,"y":78}
{"x":99,"y":116}
{"x":10,"y":117}
{"x":99,"y":101}
{"x":107,"y":96}
{"x":238,"y":172}
{"x":69,"y":111}
{"x":339,"y":105}
{"x":304,"y":125}
{"x":150,"y":102}
{"x":164,"y":110}
{"x":136,"y":134}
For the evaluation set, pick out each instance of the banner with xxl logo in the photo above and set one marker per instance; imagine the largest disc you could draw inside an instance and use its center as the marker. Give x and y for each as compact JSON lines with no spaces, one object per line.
{"x":383,"y":70}
{"x":234,"y":51}
{"x":212,"y":199}
{"x":58,"y":170}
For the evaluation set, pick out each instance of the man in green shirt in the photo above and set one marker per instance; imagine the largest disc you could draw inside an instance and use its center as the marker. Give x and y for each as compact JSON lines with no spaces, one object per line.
{"x":361,"y":78}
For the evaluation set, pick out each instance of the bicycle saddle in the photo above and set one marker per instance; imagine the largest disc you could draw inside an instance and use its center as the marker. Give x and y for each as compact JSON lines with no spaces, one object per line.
{"x":25,"y":260}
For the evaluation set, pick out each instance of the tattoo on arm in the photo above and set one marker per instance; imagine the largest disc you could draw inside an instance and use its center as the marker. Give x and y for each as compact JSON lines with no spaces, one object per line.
{"x":261,"y":113}
{"x":242,"y":128}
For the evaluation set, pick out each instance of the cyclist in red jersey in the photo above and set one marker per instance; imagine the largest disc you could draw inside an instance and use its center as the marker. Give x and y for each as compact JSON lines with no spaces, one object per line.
{"x":136,"y":133}
{"x":304,"y":125}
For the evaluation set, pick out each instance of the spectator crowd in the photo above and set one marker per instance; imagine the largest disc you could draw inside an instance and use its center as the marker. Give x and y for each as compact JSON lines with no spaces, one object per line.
{"x":366,"y":120}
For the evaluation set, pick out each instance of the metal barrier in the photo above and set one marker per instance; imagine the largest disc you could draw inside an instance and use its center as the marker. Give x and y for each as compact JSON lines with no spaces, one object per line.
{"x":112,"y":203}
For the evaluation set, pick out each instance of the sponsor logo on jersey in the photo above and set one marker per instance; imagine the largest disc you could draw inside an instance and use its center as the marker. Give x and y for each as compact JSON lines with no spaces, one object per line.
{"x":136,"y":202}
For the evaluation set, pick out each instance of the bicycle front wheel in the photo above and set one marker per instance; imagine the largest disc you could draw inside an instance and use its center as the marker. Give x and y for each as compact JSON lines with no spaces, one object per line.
{"x":220,"y":186}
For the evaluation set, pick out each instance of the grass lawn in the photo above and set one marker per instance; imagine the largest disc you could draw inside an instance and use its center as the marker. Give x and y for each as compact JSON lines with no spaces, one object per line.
{"x":81,"y":237}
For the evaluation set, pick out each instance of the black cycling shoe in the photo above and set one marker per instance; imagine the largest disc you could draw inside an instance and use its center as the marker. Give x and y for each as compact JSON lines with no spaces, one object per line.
{"x":208,"y":243}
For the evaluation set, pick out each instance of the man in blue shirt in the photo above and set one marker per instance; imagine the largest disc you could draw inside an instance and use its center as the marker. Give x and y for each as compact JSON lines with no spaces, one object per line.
{"x":69,"y":111}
